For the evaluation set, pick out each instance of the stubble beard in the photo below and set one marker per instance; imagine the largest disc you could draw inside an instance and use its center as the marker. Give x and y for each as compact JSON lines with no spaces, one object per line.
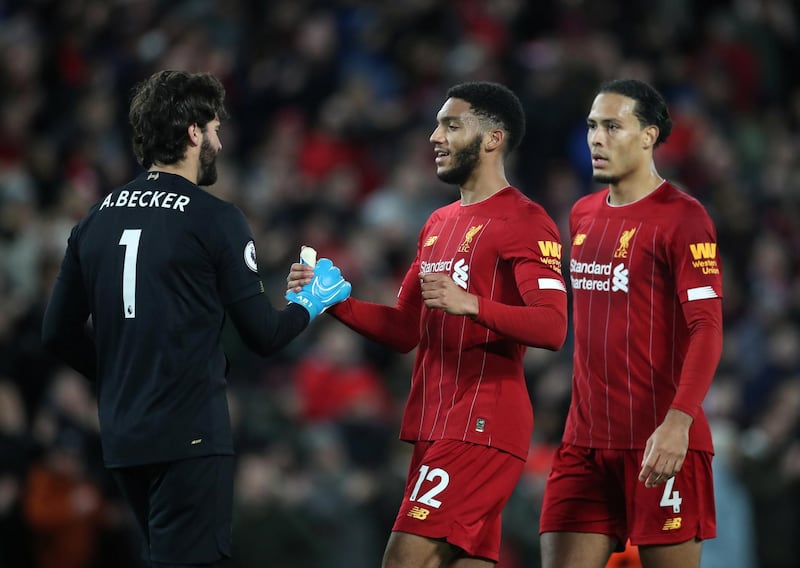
{"x":208,"y":164}
{"x":465,"y":162}
{"x":605,"y":178}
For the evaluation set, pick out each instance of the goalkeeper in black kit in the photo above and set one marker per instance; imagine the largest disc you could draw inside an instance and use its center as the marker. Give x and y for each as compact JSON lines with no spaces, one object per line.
{"x":157,"y":265}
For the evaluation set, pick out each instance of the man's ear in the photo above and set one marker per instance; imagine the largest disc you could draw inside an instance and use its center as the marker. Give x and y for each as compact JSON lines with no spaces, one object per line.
{"x":649,"y":136}
{"x":195,"y":134}
{"x":494,"y":139}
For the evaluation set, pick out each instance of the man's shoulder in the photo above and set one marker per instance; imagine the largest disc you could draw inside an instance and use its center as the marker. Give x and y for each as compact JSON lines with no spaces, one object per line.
{"x":681,"y":200}
{"x":445,"y":211}
{"x":591,"y":201}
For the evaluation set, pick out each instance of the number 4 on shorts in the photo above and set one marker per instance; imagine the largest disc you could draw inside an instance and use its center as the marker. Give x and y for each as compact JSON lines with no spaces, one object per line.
{"x":671,"y":498}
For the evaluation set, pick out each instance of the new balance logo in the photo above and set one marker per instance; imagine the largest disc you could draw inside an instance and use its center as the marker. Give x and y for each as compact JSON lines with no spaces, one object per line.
{"x":672,"y":524}
{"x":430,"y":240}
{"x":418,"y":513}
{"x":702,"y":251}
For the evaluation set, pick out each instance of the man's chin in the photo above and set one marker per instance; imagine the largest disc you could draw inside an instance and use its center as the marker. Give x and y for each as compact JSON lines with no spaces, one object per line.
{"x":605,"y":178}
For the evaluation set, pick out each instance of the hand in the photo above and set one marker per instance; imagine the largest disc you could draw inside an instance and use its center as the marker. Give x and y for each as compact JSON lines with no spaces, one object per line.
{"x":326,"y":288}
{"x":440,"y":292}
{"x":301,"y":273}
{"x":666,"y":449}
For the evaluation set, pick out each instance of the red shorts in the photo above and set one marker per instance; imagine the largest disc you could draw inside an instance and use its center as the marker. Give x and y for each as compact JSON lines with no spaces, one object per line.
{"x":598,"y":491}
{"x":456,"y":491}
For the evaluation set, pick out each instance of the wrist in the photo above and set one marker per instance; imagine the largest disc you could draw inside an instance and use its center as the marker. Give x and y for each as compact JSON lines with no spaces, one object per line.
{"x":679,"y":418}
{"x":473,"y":306}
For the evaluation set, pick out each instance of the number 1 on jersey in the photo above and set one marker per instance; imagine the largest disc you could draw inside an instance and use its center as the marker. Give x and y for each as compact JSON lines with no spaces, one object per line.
{"x":130,"y":240}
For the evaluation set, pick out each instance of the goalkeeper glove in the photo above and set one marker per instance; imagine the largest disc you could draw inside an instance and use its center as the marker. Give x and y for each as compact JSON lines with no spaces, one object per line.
{"x":327,"y":288}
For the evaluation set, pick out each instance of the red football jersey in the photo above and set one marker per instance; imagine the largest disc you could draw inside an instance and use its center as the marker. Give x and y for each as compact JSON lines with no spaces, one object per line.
{"x":468,"y":382}
{"x":632,"y":268}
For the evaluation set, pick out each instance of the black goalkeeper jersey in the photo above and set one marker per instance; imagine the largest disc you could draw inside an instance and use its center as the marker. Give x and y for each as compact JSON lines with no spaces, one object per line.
{"x":156,"y":263}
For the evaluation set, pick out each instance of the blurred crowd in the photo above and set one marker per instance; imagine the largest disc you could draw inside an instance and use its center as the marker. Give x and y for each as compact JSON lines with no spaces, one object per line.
{"x":332,"y":104}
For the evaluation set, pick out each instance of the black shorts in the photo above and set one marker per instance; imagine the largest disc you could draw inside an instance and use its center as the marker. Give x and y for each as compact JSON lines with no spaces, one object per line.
{"x":184,"y":508}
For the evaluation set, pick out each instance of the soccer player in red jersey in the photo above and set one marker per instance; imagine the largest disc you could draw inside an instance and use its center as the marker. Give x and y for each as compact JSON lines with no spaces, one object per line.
{"x":486,"y":282}
{"x":635,"y":458}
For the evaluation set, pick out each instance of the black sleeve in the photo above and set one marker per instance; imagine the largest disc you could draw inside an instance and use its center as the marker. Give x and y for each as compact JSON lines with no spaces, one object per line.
{"x":64,"y":329}
{"x":264,"y":329}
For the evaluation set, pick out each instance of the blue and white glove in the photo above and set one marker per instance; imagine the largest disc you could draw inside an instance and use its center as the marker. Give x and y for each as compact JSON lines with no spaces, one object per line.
{"x":327,"y":288}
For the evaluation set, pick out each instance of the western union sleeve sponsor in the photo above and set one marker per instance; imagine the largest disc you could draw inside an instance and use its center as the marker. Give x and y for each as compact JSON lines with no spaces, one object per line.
{"x":703,"y":251}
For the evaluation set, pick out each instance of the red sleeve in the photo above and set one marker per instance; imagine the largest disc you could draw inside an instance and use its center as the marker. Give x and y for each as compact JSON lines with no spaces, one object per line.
{"x":704,"y":318}
{"x":397,"y":326}
{"x":542,"y":322}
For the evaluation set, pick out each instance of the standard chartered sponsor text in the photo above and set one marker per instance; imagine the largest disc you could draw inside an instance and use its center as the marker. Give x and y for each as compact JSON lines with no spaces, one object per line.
{"x":590,"y":284}
{"x":576,"y":267}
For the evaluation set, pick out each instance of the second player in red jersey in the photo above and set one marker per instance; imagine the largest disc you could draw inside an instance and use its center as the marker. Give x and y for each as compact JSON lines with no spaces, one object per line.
{"x":485,"y":284}
{"x":635,"y":458}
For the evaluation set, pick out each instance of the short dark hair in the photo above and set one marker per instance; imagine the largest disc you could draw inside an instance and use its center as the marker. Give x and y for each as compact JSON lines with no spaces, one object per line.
{"x":496,"y":103}
{"x":651,"y":108}
{"x":164,"y":106}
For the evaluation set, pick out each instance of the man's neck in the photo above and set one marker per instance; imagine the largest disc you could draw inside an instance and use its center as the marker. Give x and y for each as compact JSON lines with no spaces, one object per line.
{"x":479,"y":188}
{"x":634,"y":188}
{"x":182,"y":169}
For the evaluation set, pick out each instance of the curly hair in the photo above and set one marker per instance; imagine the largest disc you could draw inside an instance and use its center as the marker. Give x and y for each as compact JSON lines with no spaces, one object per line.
{"x":496,"y":103}
{"x":651,"y":109}
{"x":164,"y":106}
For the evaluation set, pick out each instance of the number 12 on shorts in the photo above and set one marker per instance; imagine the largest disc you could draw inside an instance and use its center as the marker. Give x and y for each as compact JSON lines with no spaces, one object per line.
{"x":428,"y":474}
{"x":671,"y":498}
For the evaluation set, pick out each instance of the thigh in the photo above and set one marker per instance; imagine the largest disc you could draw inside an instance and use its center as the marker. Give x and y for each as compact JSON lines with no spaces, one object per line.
{"x":584,"y":494}
{"x":678,"y":511}
{"x":569,"y":549}
{"x":191,"y":504}
{"x":685,"y":554}
{"x":134,"y":484}
{"x":434,"y":505}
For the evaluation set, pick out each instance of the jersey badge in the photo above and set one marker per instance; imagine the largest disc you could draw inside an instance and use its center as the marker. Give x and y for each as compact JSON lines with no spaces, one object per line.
{"x":467,"y":242}
{"x":250,"y":256}
{"x":624,"y":243}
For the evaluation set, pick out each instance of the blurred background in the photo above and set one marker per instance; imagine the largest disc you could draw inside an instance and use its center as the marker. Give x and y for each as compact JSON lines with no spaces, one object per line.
{"x":332,"y":104}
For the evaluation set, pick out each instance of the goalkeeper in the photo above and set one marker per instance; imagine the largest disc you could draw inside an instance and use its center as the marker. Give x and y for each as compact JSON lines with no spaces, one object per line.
{"x":157,"y":265}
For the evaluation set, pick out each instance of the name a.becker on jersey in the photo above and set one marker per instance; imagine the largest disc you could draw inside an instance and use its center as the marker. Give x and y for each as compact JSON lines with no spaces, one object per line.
{"x":147,"y":198}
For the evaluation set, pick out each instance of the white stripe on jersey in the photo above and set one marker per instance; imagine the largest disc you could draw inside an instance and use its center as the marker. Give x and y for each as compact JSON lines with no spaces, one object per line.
{"x":702,"y":293}
{"x":551,"y":284}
